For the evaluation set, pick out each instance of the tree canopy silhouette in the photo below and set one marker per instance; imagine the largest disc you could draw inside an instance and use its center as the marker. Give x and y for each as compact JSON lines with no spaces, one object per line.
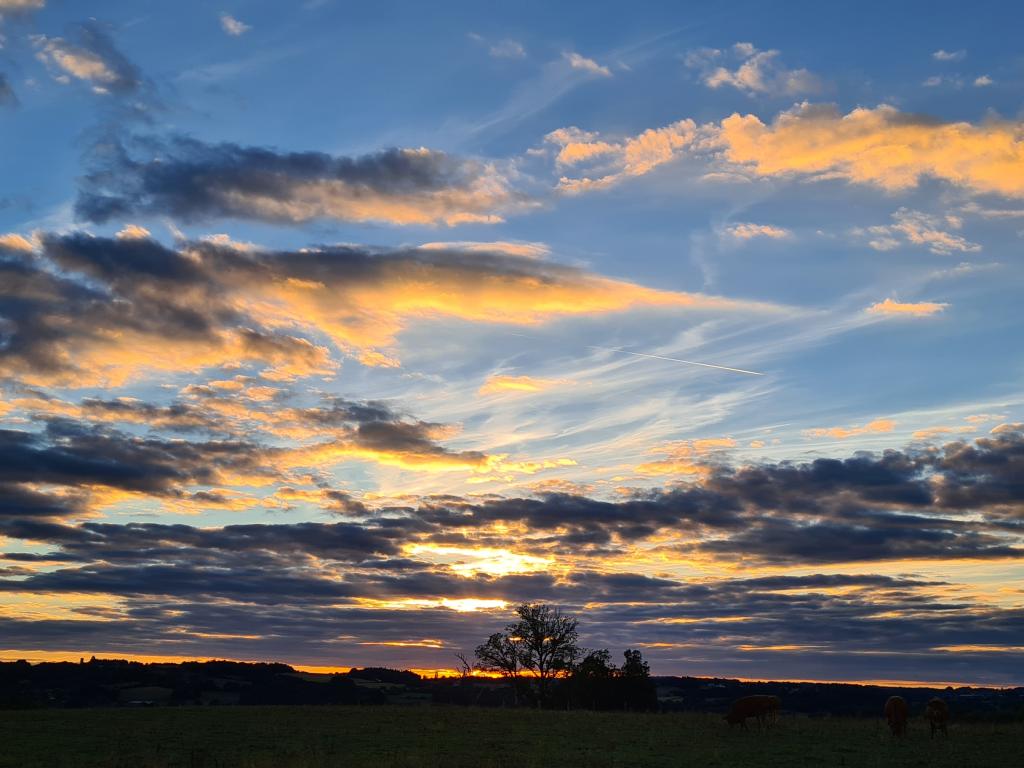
{"x":543,"y":642}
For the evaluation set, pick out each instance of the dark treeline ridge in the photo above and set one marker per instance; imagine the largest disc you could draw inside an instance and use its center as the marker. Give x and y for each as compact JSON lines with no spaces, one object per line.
{"x":112,"y":683}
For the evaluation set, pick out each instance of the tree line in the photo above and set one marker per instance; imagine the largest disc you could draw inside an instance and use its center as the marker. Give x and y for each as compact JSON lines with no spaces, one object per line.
{"x":540,"y":656}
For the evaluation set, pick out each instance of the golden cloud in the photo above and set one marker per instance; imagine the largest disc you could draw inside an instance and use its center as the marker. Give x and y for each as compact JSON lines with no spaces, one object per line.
{"x":912,"y":309}
{"x":880,"y":146}
{"x":498,"y":384}
{"x":841,"y":433}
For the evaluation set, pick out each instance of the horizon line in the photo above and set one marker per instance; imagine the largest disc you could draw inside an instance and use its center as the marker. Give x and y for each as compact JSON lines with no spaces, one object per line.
{"x":51,"y":657}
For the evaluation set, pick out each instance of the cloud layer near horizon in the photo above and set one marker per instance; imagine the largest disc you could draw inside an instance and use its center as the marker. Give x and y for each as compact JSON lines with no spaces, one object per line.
{"x":393,"y":563}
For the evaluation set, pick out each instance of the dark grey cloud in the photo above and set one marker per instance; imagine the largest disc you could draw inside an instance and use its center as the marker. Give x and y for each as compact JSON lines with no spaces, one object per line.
{"x":53,"y":473}
{"x":63,"y":309}
{"x":78,"y":303}
{"x":191,"y":180}
{"x":869,"y":507}
{"x":7,"y":95}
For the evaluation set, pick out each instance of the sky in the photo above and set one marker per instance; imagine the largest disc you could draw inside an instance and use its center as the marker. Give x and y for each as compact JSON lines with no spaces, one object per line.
{"x":329,"y":332}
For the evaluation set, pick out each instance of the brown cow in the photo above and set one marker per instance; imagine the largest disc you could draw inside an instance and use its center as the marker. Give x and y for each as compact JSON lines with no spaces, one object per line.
{"x":937,"y":713}
{"x":765,"y":709}
{"x":896,"y":715}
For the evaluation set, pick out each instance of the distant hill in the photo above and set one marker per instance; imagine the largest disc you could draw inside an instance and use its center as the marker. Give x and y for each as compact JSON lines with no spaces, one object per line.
{"x":118,"y":683}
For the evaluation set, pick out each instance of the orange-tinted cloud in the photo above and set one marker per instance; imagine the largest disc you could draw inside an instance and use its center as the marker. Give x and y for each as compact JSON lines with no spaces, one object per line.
{"x":498,"y":384}
{"x":749,"y":231}
{"x":209,"y":304}
{"x":617,"y":161}
{"x":880,"y":146}
{"x":686,"y":457}
{"x":841,"y":433}
{"x":906,"y":309}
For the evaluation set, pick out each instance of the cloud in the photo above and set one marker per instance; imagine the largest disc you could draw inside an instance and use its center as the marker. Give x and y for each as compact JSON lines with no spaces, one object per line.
{"x":758,"y":72}
{"x":15,"y":242}
{"x":749,"y":231}
{"x":444,"y":567}
{"x":132,"y":232}
{"x":260,"y":442}
{"x":881,"y":146}
{"x":509,"y":247}
{"x":85,"y":310}
{"x":90,"y":462}
{"x":92,"y":57}
{"x":942,"y":55}
{"x":233,"y":26}
{"x":15,"y":6}
{"x":616,"y":161}
{"x":982,"y":80}
{"x":906,"y":309}
{"x":193,"y":181}
{"x":7,"y":95}
{"x":154,"y":311}
{"x":930,"y":433}
{"x":919,"y":228}
{"x":841,"y":433}
{"x":688,"y":457}
{"x":576,"y":61}
{"x":501,"y":49}
{"x":498,"y":384}
{"x":507,"y":49}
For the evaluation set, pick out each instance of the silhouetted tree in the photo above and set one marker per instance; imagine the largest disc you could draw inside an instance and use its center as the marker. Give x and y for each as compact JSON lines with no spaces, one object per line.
{"x":592,"y":683}
{"x":635,"y":666}
{"x":464,"y":668}
{"x":543,"y":642}
{"x":638,"y":690}
{"x":502,"y":654}
{"x":548,"y":642}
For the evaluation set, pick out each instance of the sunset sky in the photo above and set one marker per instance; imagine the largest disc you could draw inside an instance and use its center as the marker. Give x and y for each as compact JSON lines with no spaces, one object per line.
{"x":330,"y":331}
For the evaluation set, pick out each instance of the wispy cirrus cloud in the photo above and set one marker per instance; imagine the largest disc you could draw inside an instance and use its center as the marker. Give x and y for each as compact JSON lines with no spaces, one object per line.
{"x":507,"y":49}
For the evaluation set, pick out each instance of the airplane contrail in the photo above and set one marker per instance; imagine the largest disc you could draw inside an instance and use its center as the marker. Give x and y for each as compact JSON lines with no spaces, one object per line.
{"x":677,"y":360}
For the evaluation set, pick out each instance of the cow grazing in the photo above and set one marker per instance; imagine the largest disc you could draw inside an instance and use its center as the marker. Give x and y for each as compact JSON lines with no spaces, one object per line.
{"x":896,"y":715}
{"x":937,"y":713}
{"x":765,"y":709}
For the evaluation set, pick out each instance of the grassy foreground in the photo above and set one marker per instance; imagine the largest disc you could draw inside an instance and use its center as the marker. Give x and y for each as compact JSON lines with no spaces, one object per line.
{"x":383,"y":737}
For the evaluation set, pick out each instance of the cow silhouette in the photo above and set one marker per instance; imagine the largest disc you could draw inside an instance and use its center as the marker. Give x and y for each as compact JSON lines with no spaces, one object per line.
{"x":937,"y":713}
{"x":896,"y":715}
{"x":765,"y":709}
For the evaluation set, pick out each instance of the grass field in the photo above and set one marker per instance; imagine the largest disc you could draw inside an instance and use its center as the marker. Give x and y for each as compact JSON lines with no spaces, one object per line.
{"x":383,"y":737}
